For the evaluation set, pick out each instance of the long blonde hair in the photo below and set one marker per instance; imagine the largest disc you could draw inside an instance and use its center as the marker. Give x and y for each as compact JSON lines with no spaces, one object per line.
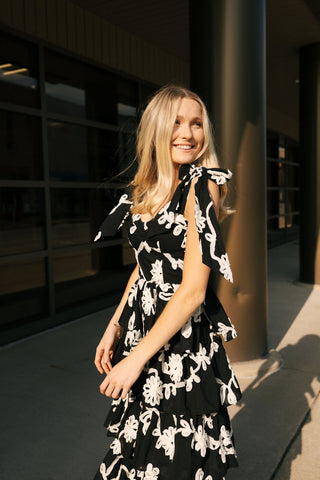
{"x":153,"y":182}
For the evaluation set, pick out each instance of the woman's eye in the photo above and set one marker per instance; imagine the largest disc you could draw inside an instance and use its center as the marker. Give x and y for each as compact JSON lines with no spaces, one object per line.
{"x":177,"y":122}
{"x":198,"y":124}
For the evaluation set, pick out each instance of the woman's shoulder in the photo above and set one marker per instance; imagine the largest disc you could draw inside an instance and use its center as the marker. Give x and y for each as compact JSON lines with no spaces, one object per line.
{"x":219,"y":175}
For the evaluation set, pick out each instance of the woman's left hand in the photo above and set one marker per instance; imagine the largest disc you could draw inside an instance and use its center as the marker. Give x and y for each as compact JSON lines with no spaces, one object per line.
{"x":121,"y":377}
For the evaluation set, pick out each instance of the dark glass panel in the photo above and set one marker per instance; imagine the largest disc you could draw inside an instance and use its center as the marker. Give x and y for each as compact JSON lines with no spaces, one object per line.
{"x":80,"y":90}
{"x":22,"y":220}
{"x":78,"y":213}
{"x":272,"y":144}
{"x":78,"y":153}
{"x":18,"y":71}
{"x":23,"y":292}
{"x":272,"y":173}
{"x":293,"y":172}
{"x":273,"y":202}
{"x":277,"y":206}
{"x":20,"y":146}
{"x":293,"y":204}
{"x":146,"y":92}
{"x":127,"y":140}
{"x":127,"y":116}
{"x":296,"y":220}
{"x":89,"y":274}
{"x":282,"y":177}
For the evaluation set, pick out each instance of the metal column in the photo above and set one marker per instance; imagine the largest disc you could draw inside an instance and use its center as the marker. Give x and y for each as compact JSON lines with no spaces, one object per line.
{"x":310,"y":163}
{"x":232,"y":54}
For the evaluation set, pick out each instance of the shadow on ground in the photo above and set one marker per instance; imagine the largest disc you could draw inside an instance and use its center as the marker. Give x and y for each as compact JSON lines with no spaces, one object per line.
{"x":273,"y":408}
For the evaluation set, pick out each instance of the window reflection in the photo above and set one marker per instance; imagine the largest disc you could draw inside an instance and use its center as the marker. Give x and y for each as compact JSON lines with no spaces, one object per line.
{"x":127,"y":118}
{"x":20,"y":146}
{"x":76,"y":215}
{"x":78,"y":153}
{"x":88,"y":274}
{"x":18,"y":71}
{"x":76,"y":89}
{"x":79,"y":90}
{"x":66,"y":99}
{"x":17,"y":75}
{"x":22,"y":220}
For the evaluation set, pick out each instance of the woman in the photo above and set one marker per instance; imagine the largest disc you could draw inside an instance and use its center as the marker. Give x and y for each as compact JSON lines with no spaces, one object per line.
{"x":166,"y":367}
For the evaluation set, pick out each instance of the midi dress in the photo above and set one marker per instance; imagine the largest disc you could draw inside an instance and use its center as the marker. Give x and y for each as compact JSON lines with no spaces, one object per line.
{"x":174,"y":423}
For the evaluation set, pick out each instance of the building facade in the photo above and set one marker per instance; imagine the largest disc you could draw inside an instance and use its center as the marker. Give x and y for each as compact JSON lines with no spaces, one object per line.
{"x":74,"y":76}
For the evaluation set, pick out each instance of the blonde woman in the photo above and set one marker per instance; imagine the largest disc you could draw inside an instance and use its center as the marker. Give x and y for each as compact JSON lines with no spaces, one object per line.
{"x":162,"y":353}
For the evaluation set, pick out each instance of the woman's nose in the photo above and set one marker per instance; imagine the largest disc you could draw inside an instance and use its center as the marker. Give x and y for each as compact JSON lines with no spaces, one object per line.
{"x":185,"y":131}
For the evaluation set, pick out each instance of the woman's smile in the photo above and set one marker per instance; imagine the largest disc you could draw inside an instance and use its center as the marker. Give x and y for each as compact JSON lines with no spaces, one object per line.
{"x":187,"y":136}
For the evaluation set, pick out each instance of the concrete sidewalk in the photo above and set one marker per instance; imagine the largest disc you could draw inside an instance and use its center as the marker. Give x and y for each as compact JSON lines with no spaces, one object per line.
{"x":278,"y":420}
{"x":52,"y":410}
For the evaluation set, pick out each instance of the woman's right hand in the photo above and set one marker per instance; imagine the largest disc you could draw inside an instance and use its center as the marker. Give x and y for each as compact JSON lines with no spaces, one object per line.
{"x":105,"y":349}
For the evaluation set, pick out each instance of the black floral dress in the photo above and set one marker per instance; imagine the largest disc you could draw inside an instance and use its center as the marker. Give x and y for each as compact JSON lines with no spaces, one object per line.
{"x":174,"y":423}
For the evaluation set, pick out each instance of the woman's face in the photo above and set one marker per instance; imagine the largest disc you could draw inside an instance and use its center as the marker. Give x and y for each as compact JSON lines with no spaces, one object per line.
{"x":187,"y":135}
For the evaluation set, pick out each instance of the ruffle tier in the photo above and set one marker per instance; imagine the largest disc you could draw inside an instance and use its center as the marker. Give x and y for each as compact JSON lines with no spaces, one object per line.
{"x":191,"y":374}
{"x":146,"y":439}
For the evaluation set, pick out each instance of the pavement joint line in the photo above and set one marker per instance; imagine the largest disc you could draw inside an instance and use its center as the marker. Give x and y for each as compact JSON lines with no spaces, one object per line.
{"x":295,"y":435}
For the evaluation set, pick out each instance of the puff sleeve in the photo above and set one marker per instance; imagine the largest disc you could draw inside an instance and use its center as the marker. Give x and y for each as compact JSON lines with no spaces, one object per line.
{"x":115,"y":219}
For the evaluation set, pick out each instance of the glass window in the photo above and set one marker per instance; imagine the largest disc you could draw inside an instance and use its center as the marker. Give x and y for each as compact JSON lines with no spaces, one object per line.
{"x":293,"y":172}
{"x":78,"y":153}
{"x":273,"y":202}
{"x":146,"y":92}
{"x":20,"y":146}
{"x":79,"y":90}
{"x":18,"y":71}
{"x":23,"y":292}
{"x":77,"y":214}
{"x":22,"y":220}
{"x":293,"y":201}
{"x":272,"y":173}
{"x":282,"y":168}
{"x":89,"y":274}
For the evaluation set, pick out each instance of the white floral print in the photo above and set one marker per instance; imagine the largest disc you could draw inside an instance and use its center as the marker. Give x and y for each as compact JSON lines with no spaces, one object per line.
{"x":159,"y":416}
{"x":116,"y":446}
{"x":130,"y":429}
{"x":200,"y":441}
{"x":156,"y":272}
{"x":148,"y":302}
{"x":151,"y":472}
{"x":152,"y":390}
{"x":200,"y":220}
{"x":166,"y":440}
{"x":174,"y":367}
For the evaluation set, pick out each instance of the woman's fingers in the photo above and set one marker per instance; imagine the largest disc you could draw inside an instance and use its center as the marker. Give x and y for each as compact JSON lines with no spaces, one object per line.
{"x":116,"y":392}
{"x":124,"y":393}
{"x":106,"y":361}
{"x":104,"y":385}
{"x":97,"y":360}
{"x":109,"y":390}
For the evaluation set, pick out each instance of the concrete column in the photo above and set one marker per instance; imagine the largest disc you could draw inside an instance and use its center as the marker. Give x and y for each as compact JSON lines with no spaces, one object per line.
{"x":310,"y":163}
{"x":233,"y":55}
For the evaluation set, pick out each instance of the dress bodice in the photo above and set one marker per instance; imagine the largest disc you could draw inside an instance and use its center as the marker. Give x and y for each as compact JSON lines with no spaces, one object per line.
{"x":165,"y":234}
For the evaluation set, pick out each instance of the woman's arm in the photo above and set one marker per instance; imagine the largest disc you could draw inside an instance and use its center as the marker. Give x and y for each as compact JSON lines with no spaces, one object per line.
{"x":177,"y":312}
{"x":105,"y":349}
{"x":189,"y":296}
